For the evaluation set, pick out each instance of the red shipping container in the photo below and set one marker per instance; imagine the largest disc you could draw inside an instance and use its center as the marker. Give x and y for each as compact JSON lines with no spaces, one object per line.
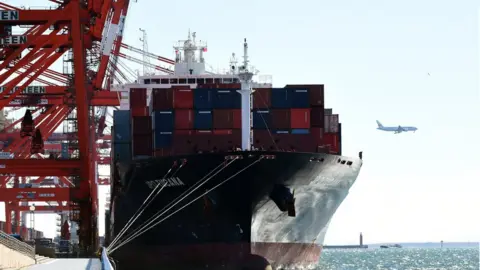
{"x":184,"y":132}
{"x":183,"y":119}
{"x":262,"y":98}
{"x":317,"y":135}
{"x":182,"y":98}
{"x":300,"y":118}
{"x":331,"y":139}
{"x":138,"y":98}
{"x":162,"y":99}
{"x":139,"y":111}
{"x":280,"y":119}
{"x":228,"y":142}
{"x":316,"y":95}
{"x":142,"y":125}
{"x":164,"y":152}
{"x":227,"y":119}
{"x":262,"y":139}
{"x":222,"y":132}
{"x":317,"y":118}
{"x":183,"y":144}
{"x":142,"y":145}
{"x":295,"y":142}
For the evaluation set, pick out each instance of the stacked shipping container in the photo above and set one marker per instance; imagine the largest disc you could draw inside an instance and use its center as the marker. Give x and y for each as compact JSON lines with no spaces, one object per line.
{"x":289,"y":118}
{"x":332,"y":131}
{"x":138,"y":102}
{"x":122,"y":136}
{"x":184,"y":120}
{"x":25,"y":233}
{"x":204,"y":119}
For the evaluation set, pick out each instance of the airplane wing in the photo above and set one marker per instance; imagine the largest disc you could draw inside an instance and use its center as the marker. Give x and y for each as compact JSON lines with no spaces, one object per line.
{"x":399,"y":129}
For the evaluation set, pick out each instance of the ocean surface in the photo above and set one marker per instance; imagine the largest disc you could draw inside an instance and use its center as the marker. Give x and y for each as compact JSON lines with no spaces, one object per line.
{"x":401,"y":259}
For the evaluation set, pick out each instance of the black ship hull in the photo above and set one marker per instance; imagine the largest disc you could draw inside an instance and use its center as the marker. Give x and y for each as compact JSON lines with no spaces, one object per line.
{"x":273,"y":204}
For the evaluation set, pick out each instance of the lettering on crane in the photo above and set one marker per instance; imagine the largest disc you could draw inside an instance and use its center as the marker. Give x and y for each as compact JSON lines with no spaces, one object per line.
{"x":9,"y":15}
{"x":27,"y":90}
{"x":5,"y":155}
{"x":13,"y":40}
{"x":27,"y":102}
{"x":46,"y":195}
{"x":171,"y":182}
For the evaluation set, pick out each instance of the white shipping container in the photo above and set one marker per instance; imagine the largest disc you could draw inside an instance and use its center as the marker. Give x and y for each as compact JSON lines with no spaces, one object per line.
{"x":334,"y":123}
{"x":326,"y":125}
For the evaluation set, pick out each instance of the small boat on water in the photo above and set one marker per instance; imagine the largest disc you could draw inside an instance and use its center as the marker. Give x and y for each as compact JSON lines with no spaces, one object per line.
{"x":391,"y":246}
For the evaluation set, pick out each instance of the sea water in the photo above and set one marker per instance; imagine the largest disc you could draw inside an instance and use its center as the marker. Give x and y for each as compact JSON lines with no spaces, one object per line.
{"x":401,"y":259}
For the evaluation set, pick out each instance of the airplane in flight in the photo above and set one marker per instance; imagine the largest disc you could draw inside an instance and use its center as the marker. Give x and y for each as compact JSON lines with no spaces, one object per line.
{"x":395,"y":130}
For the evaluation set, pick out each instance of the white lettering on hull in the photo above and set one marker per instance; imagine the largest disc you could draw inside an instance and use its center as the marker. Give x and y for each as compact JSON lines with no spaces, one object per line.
{"x":171,"y":182}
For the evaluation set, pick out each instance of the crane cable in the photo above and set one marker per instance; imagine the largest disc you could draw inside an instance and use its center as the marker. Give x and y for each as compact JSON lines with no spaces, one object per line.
{"x":180,"y":198}
{"x":147,"y":202}
{"x":197,"y":198}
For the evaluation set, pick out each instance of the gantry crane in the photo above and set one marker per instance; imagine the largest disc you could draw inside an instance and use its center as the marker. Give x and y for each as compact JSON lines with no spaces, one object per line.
{"x":84,"y":30}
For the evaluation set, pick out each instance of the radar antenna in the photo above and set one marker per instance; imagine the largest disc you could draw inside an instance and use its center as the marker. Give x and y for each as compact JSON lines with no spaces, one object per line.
{"x":146,"y":60}
{"x":233,"y":64}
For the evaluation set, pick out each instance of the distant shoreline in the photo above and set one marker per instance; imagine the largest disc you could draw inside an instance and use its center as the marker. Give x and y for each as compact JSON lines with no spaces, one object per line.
{"x":424,"y":244}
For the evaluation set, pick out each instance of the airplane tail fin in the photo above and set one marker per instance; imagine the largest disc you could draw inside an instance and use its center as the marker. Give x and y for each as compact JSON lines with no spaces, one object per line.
{"x":379,"y":124}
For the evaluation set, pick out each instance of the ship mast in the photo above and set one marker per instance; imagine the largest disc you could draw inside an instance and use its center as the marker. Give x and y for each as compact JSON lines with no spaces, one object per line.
{"x":245,"y":77}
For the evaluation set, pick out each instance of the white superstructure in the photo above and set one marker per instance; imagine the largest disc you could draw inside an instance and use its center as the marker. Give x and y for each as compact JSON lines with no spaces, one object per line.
{"x":190,"y":69}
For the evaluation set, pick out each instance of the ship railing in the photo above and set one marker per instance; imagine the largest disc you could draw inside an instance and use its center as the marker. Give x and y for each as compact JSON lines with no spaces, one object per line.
{"x":106,"y":264}
{"x":17,"y":245}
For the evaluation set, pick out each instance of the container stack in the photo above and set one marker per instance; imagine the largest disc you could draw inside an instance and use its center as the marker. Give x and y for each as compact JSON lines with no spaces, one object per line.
{"x":172,"y":112}
{"x":142,"y":136}
{"x":332,"y":134}
{"x":289,"y":118}
{"x":122,"y":136}
{"x":138,"y":102}
{"x":181,"y":120}
{"x":207,"y":120}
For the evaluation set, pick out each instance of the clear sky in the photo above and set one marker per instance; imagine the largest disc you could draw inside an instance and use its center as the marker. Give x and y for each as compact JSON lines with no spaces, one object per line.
{"x":373,"y":56}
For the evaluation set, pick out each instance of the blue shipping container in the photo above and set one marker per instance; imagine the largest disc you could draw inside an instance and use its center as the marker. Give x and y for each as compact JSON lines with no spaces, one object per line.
{"x":226,"y":99}
{"x":162,"y":139}
{"x":163,"y":121}
{"x":203,"y":120}
{"x":281,"y":98}
{"x":122,"y":133}
{"x":301,"y":131}
{"x":122,"y":151}
{"x":261,"y":119}
{"x":202,"y":98}
{"x":121,"y":116}
{"x":299,"y":98}
{"x":122,"y":126}
{"x":64,"y":151}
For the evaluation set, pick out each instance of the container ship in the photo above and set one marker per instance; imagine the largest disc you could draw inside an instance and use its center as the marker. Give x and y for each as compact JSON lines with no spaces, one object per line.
{"x":245,"y":173}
